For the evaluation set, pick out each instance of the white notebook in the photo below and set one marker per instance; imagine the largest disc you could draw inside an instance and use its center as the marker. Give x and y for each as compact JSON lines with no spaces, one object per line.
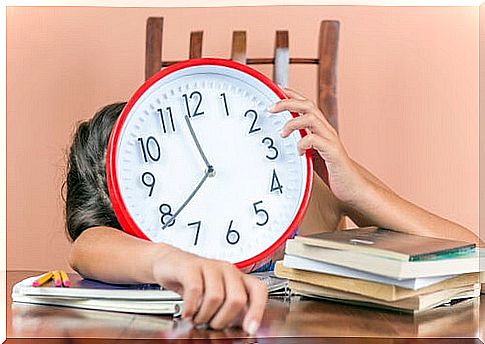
{"x":90,"y":294}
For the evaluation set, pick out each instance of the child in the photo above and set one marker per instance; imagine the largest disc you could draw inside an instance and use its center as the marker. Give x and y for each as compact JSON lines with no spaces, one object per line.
{"x":215,"y":292}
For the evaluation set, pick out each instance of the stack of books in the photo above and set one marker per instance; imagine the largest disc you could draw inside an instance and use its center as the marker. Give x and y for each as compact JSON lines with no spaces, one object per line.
{"x":381,"y":268}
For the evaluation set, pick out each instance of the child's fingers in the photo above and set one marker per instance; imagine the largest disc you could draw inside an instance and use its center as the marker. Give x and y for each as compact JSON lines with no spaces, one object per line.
{"x":213,"y":296}
{"x":311,"y":141}
{"x":309,"y":122}
{"x":193,"y":286}
{"x":302,"y":106}
{"x":258,"y":295}
{"x":292,"y":105}
{"x":291,"y":93}
{"x":236,"y":299}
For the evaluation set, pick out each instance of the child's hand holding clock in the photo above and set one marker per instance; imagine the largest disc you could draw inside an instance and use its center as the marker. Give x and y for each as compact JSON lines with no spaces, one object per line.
{"x":344,"y":178}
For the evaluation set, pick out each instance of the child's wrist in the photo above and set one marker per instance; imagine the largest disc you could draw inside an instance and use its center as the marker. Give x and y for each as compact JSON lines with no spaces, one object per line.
{"x":159,"y":256}
{"x":364,"y":189}
{"x":372,"y":200}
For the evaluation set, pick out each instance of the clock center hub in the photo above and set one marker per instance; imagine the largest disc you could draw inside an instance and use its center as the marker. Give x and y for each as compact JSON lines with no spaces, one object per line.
{"x":211,"y":172}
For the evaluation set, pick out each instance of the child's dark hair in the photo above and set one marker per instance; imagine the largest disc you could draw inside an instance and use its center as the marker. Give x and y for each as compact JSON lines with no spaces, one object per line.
{"x":87,"y":199}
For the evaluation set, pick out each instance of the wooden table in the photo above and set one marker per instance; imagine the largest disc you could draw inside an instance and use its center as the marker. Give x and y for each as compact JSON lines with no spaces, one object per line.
{"x":285,"y":321}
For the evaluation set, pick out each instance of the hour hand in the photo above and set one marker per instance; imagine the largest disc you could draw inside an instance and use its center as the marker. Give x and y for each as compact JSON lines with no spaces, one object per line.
{"x":210,"y":168}
{"x":189,"y":198}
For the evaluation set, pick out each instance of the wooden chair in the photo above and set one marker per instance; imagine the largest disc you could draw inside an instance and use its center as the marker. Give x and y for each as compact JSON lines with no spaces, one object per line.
{"x":326,"y":62}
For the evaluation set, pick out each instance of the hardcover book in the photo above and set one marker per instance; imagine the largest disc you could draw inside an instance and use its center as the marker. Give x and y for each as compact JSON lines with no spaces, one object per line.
{"x":390,"y":244}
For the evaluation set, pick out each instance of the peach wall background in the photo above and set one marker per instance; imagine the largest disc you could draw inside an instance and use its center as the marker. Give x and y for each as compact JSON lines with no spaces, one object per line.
{"x":407,"y":88}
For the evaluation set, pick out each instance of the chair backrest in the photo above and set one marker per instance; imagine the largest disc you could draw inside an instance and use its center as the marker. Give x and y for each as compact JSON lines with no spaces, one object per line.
{"x":326,"y":62}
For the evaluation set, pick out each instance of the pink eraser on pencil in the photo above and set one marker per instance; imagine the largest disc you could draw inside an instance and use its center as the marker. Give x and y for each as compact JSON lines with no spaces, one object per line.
{"x":58,"y":282}
{"x":42,"y":279}
{"x":67,"y":283}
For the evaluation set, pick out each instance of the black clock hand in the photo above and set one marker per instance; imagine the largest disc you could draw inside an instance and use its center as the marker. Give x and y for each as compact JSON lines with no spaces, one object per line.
{"x":199,"y":148}
{"x":207,"y":174}
{"x":210,"y":172}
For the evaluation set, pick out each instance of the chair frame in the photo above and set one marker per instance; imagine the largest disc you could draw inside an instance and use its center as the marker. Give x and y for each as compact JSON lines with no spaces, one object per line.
{"x":326,"y":62}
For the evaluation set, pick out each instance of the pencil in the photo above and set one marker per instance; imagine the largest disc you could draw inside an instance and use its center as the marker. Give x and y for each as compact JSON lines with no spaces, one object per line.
{"x":65,"y":279}
{"x":42,"y":279}
{"x":57,"y":278}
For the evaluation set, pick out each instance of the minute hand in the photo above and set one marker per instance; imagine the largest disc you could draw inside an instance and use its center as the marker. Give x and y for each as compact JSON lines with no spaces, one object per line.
{"x":196,"y":141}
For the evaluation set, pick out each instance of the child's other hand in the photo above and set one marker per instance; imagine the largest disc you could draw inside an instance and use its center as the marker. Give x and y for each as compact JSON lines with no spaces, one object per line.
{"x":344,"y":177}
{"x":214,"y":292}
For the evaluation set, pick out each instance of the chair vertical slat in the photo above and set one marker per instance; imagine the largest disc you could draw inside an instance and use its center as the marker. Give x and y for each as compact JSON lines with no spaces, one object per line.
{"x":327,"y":70}
{"x":238,"y":52}
{"x":195,"y":44}
{"x":153,"y":46}
{"x":281,"y":59}
{"x":327,"y":83}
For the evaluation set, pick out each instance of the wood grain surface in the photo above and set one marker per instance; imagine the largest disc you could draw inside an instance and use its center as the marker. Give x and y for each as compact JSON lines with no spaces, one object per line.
{"x":284,"y":320}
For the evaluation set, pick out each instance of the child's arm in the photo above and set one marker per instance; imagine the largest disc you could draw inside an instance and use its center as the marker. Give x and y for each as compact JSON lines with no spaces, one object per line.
{"x":362,"y":196}
{"x":214,"y":292}
{"x":383,"y":207}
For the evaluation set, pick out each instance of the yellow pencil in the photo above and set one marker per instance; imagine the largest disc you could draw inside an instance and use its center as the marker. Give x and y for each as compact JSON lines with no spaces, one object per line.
{"x":57,"y":278}
{"x":42,"y":279}
{"x":65,"y":279}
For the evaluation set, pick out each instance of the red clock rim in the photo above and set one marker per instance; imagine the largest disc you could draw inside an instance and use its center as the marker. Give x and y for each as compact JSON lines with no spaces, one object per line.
{"x":119,"y":207}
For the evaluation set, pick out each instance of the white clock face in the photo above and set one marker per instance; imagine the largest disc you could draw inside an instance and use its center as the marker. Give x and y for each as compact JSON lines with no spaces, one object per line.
{"x":233,"y":196}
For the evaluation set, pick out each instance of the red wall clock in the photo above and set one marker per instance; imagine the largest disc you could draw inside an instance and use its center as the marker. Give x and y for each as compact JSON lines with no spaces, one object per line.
{"x":197,"y":162}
